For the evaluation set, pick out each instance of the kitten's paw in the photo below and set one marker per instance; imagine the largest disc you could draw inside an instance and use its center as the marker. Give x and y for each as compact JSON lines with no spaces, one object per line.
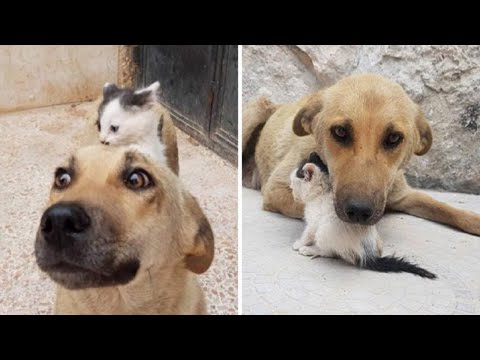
{"x":308,"y":251}
{"x":297,"y":245}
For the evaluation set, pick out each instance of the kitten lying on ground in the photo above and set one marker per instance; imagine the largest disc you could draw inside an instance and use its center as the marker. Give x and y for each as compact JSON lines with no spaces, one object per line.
{"x":134,"y":117}
{"x":328,"y":236}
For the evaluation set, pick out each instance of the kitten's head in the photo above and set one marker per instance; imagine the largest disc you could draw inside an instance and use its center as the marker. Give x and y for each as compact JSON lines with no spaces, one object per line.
{"x":124,"y":114}
{"x":309,"y":179}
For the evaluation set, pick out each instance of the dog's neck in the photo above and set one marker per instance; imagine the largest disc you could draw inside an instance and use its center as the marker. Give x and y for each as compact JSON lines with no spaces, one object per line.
{"x":160,"y":289}
{"x":153,"y":291}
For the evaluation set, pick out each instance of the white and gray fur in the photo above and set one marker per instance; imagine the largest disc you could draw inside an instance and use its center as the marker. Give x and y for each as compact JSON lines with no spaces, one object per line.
{"x":327,"y":236}
{"x":126,"y":117}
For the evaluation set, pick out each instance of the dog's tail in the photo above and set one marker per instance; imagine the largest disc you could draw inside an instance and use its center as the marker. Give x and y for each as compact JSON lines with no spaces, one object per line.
{"x":395,"y":264}
{"x":255,"y":115}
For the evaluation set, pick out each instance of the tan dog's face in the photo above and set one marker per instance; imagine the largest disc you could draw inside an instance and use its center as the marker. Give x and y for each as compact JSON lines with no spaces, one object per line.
{"x":367,"y":129}
{"x":113,"y":213}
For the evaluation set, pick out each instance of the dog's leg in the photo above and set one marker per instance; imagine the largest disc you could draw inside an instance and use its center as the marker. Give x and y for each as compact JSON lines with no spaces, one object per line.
{"x":277,"y":194}
{"x":278,"y":197}
{"x":307,"y":239}
{"x":417,"y":203}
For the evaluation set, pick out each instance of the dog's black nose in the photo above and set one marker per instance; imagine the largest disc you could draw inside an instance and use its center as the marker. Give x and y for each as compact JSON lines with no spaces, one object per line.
{"x":62,"y":223}
{"x":104,"y":142}
{"x":358,"y":211}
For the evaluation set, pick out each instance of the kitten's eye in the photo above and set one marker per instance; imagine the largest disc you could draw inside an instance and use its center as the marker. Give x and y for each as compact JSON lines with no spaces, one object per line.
{"x":114,"y":128}
{"x":392,"y":140}
{"x":62,"y":179}
{"x":341,"y":134}
{"x":138,"y":179}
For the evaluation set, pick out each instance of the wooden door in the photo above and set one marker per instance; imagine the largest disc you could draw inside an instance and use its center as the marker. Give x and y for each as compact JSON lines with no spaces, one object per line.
{"x":198,"y":84}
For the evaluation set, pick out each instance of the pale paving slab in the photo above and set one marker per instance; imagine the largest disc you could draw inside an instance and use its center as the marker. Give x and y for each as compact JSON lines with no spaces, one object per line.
{"x":277,"y":280}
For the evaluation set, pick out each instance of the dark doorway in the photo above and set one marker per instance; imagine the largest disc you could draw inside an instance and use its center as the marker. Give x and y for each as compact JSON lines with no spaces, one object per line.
{"x":198,"y":84}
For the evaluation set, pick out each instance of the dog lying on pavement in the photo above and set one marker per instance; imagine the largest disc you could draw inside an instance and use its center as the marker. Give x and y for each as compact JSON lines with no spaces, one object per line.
{"x":122,"y":236}
{"x":365,"y":128}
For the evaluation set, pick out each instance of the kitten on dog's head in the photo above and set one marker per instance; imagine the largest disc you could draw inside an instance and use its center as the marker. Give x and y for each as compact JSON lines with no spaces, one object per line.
{"x":124,"y":114}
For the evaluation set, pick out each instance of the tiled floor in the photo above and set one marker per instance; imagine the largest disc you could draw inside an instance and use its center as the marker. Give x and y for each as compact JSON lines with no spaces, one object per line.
{"x":31,"y":145}
{"x":277,"y":280}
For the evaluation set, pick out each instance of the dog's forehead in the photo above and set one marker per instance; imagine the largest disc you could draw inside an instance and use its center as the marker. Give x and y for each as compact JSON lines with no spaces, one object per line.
{"x":98,"y":153}
{"x":369,"y":97}
{"x":100,"y":159}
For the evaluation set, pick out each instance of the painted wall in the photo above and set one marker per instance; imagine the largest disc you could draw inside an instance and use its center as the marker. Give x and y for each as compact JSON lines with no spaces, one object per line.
{"x":41,"y":75}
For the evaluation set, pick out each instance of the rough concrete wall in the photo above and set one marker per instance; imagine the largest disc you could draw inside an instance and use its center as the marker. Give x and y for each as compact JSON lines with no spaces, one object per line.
{"x":41,"y":75}
{"x":444,"y":80}
{"x":127,"y":67}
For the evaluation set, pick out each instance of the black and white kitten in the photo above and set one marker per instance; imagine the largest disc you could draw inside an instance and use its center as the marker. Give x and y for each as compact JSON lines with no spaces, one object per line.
{"x":327,"y":236}
{"x":129,"y":117}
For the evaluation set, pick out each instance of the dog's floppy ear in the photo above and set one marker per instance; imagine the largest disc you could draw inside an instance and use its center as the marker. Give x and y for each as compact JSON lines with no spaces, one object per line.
{"x":200,"y":248}
{"x":302,"y":123}
{"x":424,"y":132}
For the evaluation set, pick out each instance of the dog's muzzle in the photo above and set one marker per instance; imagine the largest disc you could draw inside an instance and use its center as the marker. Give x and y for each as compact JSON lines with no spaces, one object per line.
{"x":357,"y":211}
{"x":63,"y":224}
{"x":77,"y":251}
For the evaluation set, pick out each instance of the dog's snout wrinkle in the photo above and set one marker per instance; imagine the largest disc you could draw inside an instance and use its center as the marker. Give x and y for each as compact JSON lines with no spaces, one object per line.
{"x":61,"y":222}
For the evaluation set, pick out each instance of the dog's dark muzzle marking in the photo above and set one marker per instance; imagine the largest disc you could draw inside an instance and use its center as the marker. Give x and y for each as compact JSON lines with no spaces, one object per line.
{"x":76,"y":277}
{"x":77,"y":248}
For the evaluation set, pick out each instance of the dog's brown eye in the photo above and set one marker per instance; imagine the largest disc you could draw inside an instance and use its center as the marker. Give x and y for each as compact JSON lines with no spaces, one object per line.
{"x":138,"y":179}
{"x":62,"y":179}
{"x":341,"y":134}
{"x":392,"y":140}
{"x":114,"y":128}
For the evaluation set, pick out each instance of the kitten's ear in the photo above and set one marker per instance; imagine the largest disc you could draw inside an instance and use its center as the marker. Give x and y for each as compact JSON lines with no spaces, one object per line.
{"x":308,"y":170}
{"x":146,"y":95}
{"x":153,"y":87}
{"x":109,"y":90}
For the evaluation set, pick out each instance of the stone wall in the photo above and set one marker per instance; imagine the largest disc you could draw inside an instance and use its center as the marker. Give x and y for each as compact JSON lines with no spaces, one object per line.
{"x":444,"y":80}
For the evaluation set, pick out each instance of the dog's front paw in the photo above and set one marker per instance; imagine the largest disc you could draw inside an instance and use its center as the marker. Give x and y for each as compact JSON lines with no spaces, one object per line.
{"x":297,"y":245}
{"x":308,"y":251}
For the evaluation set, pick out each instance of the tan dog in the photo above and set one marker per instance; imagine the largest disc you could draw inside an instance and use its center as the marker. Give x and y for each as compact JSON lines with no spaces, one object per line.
{"x":122,"y":236}
{"x":366,"y":129}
